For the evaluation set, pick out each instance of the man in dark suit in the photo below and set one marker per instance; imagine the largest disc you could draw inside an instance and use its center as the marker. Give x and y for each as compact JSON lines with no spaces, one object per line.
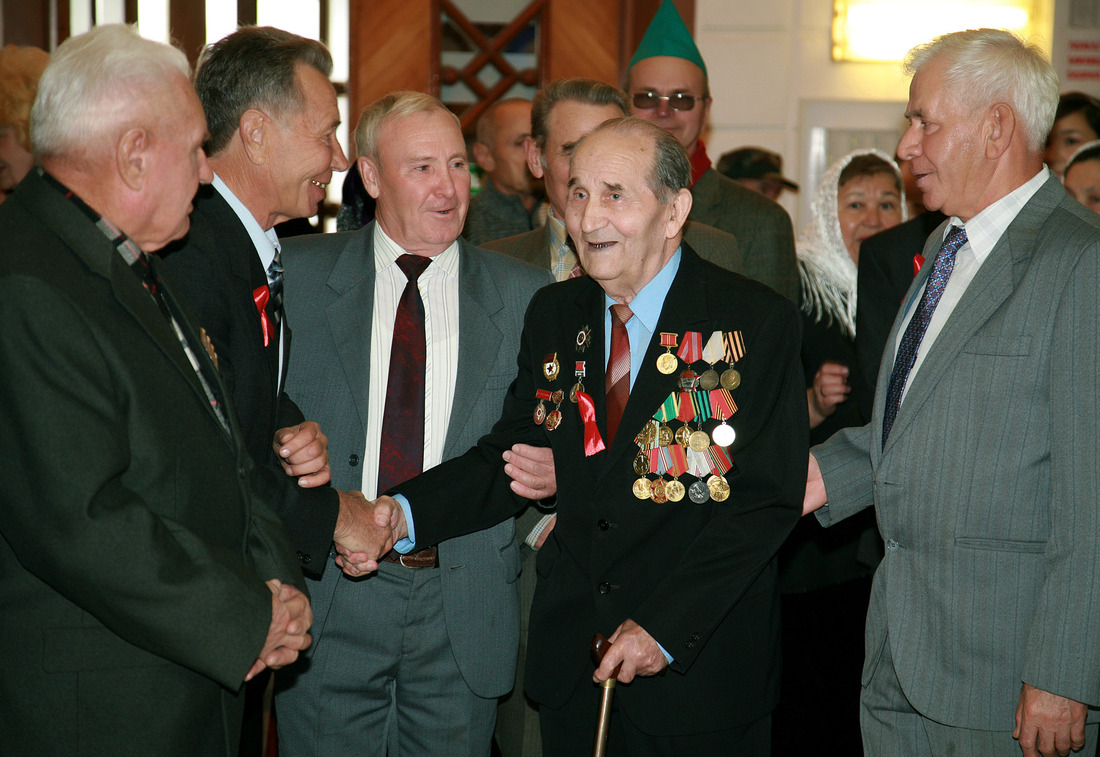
{"x":419,"y":653}
{"x":888,"y":261}
{"x":981,"y":458}
{"x":272,"y":117}
{"x":141,"y":579}
{"x":685,"y":581}
{"x":667,"y":84}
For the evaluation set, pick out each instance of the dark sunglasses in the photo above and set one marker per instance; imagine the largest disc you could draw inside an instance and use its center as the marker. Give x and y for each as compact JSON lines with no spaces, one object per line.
{"x":677,"y":101}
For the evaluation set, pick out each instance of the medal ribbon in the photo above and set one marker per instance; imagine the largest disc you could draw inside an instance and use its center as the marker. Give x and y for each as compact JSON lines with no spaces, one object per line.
{"x":720,"y":461}
{"x":593,"y":442}
{"x":687,"y":409}
{"x":713,"y":352}
{"x":723,"y":403}
{"x":735,"y":347}
{"x":579,"y":369}
{"x":679,"y":460}
{"x":668,"y":410}
{"x":542,"y":394}
{"x":698,"y":465}
{"x":668,"y":339}
{"x":260,"y":295}
{"x":664,"y":460}
{"x":700,"y":400}
{"x":655,"y":460}
{"x":691,"y":348}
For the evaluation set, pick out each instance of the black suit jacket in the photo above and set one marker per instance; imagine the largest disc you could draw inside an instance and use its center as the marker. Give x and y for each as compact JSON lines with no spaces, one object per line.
{"x":215,"y":269}
{"x":699,"y":578}
{"x":132,"y":552}
{"x":885,"y":273}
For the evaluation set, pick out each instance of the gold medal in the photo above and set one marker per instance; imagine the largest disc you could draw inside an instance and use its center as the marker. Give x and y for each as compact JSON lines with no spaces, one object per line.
{"x":683,"y":435}
{"x":553,"y":420}
{"x":540,"y":413}
{"x":577,"y":387}
{"x":641,"y":464}
{"x":731,"y":379}
{"x":667,"y":363}
{"x":698,"y":441}
{"x":649,"y":433}
{"x":674,"y":490}
{"x":709,"y":379}
{"x":657,"y":492}
{"x":642,"y":488}
{"x":664,"y":436}
{"x":719,"y":488}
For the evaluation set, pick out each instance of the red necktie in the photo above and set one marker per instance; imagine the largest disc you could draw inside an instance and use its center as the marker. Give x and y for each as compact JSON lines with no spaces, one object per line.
{"x":402,"y":445}
{"x":617,"y":380}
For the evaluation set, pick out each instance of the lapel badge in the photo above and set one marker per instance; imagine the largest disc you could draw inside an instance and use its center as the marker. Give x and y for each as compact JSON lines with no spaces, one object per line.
{"x":584,"y":338}
{"x":550,"y":366}
{"x":205,"y":339}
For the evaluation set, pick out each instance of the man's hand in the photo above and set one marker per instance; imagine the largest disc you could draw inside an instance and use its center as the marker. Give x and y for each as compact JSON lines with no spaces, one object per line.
{"x":531,"y":470}
{"x":303,"y":452}
{"x":829,"y":389}
{"x":636,"y":650}
{"x":287,"y":635}
{"x":1048,"y":724}
{"x":815,"y":497}
{"x":369,"y":533}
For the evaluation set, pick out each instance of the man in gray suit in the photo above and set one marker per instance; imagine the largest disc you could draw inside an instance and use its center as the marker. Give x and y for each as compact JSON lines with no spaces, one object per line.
{"x":412,"y":659}
{"x":981,"y":458}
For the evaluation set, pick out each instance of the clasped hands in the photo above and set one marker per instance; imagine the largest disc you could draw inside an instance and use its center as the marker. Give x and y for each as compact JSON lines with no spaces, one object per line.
{"x":366,"y":531}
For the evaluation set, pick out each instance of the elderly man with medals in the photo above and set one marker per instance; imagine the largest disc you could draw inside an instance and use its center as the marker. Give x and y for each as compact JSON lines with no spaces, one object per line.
{"x":676,"y":439}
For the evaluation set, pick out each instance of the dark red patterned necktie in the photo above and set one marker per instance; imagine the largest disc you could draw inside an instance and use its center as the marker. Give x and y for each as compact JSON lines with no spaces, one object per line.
{"x":402,"y":447}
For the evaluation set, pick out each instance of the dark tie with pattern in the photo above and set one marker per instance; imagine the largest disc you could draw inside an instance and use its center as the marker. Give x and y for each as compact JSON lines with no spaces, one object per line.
{"x":918,"y":324}
{"x":402,"y":444}
{"x":617,"y":379}
{"x":275,"y":276}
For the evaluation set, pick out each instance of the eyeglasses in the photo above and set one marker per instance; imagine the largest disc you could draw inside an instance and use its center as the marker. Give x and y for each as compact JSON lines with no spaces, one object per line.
{"x":676,"y":101}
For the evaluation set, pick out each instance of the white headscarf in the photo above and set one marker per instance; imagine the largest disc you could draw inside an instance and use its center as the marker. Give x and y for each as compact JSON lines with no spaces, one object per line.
{"x":827,"y":271}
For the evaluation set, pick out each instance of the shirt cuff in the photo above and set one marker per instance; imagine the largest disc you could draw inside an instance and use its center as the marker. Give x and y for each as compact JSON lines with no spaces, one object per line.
{"x":665,"y":653}
{"x":533,"y":537}
{"x":408,"y":544}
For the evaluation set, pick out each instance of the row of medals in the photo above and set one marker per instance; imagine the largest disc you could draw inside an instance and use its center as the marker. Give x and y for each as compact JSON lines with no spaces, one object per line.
{"x":715,"y":487}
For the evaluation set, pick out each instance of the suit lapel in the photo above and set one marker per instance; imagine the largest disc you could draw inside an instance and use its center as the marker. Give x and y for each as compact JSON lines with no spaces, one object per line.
{"x":990,"y":287}
{"x":478,"y":338}
{"x":349,"y":315}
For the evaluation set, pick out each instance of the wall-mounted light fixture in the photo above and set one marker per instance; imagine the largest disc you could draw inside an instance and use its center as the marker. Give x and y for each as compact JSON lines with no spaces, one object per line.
{"x":884,"y":30}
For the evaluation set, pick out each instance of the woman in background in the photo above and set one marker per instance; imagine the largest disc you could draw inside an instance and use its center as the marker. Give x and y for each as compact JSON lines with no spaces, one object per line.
{"x":1076,"y":122}
{"x":1082,"y":177}
{"x":825,"y":574}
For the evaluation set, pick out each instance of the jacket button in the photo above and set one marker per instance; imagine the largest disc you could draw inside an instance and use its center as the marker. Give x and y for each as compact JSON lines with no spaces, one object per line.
{"x":603,"y":524}
{"x":688,"y":645}
{"x":892,"y":545}
{"x":353,"y":460}
{"x":695,"y":637}
{"x":306,"y":559}
{"x":605,"y":588}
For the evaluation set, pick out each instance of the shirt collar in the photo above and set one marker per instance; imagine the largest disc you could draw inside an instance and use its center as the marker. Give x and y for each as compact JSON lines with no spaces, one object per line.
{"x":984,"y":230}
{"x":386,"y":252}
{"x":265,"y":242}
{"x":648,"y":303}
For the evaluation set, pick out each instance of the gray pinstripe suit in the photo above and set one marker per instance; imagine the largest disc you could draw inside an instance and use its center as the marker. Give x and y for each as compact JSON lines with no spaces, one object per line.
{"x":986,"y":491}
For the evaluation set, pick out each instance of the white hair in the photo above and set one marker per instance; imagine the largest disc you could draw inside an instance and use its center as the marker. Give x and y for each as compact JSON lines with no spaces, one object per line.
{"x":998,"y":66}
{"x":95,"y":84}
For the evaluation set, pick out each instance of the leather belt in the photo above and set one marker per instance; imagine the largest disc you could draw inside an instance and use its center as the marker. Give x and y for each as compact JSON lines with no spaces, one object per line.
{"x":425,"y":558}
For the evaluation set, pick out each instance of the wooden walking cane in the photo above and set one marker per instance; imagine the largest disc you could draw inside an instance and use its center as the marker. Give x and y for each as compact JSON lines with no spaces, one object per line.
{"x":600,"y":645}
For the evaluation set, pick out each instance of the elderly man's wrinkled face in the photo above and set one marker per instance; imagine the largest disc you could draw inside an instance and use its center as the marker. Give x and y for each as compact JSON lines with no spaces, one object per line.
{"x":943,"y":142}
{"x":306,"y":150}
{"x":177,"y":166}
{"x":667,"y":77}
{"x":421,"y":180}
{"x":623,"y":234}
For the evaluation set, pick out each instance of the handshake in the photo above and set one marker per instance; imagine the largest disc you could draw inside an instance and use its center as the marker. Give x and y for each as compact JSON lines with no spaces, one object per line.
{"x":366,"y":531}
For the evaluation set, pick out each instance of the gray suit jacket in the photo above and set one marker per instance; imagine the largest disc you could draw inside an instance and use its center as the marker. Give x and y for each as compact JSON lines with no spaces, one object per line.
{"x":711,"y":244}
{"x":986,"y":489}
{"x":761,"y":226}
{"x":330,"y":299}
